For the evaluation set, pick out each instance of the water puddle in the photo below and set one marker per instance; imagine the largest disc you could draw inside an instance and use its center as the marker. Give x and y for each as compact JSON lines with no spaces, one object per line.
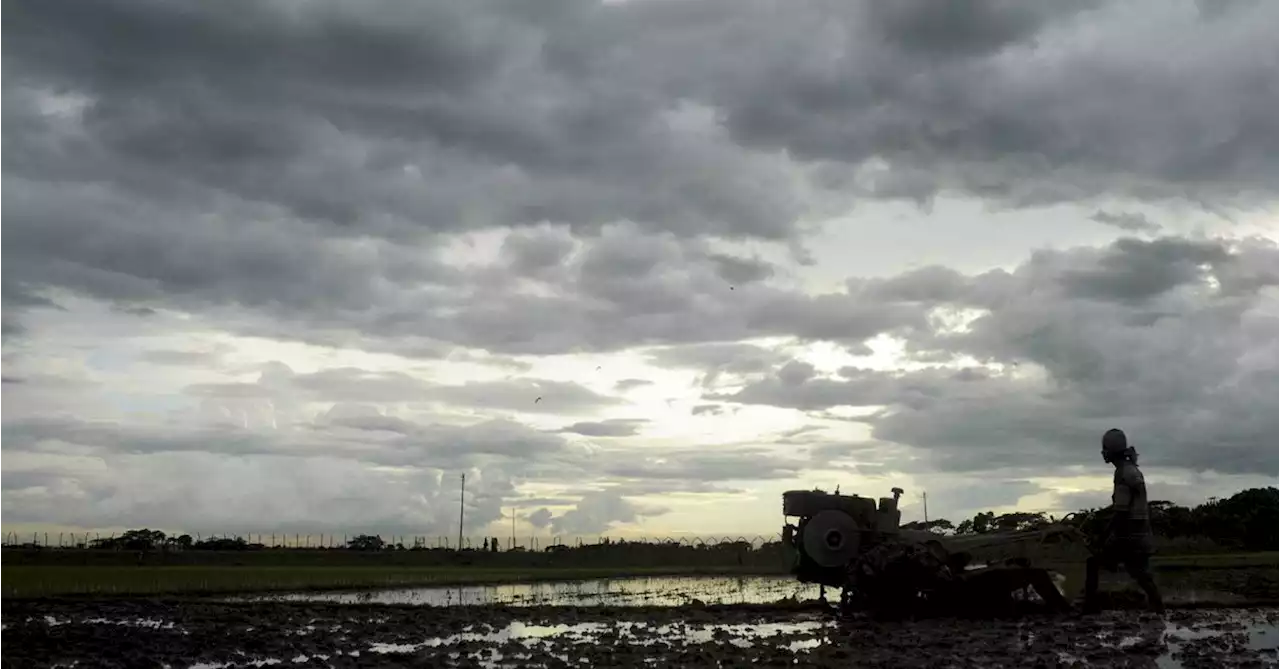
{"x":1225,"y":639}
{"x":520,"y":641}
{"x":665,"y":591}
{"x":1251,"y":637}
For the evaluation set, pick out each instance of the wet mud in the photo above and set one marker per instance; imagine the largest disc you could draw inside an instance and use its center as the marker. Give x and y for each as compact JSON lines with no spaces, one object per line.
{"x":207,"y":634}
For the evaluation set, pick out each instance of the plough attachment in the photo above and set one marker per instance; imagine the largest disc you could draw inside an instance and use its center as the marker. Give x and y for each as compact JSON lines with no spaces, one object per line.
{"x":907,"y":578}
{"x":847,"y":542}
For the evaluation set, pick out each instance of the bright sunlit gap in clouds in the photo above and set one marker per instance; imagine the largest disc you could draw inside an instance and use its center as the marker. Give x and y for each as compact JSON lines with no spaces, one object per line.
{"x":626,"y":288}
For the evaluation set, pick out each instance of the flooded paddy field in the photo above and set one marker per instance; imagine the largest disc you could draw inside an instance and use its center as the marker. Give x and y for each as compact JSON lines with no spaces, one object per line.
{"x":641,"y":591}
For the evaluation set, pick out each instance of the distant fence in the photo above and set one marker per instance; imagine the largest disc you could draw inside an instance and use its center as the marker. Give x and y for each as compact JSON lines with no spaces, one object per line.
{"x":279,"y":540}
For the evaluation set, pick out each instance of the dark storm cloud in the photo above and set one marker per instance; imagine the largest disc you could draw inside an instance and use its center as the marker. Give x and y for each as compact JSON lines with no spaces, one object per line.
{"x":344,"y":384}
{"x":300,"y":159}
{"x":1135,"y":272}
{"x":1129,"y":221}
{"x":340,"y":434}
{"x":347,"y":384}
{"x":16,"y":298}
{"x":319,"y":108}
{"x":614,"y":427}
{"x":540,"y":518}
{"x":714,"y":360}
{"x":535,"y":252}
{"x":631,"y":384}
{"x":1012,"y":115}
{"x":1073,"y":316}
{"x":741,"y":270}
{"x":22,"y":480}
{"x":966,"y":28}
{"x":598,"y":511}
{"x":625,"y":288}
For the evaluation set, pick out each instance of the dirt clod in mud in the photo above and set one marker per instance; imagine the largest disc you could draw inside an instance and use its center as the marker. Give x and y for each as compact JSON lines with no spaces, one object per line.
{"x":154,"y":633}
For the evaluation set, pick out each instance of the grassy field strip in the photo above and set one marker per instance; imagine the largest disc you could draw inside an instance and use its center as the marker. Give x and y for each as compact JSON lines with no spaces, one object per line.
{"x":38,"y":581}
{"x":41,"y":581}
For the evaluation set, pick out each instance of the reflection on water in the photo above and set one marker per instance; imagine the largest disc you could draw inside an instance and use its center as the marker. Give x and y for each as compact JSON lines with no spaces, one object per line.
{"x":515,"y":641}
{"x":637,"y":591}
{"x":1203,"y":596}
{"x":665,"y":591}
{"x":1153,"y":643}
{"x":1253,"y":636}
{"x":633,"y":633}
{"x":1159,"y":644}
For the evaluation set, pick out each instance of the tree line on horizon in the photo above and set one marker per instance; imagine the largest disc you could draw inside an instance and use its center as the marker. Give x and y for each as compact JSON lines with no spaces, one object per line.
{"x":1246,"y":520}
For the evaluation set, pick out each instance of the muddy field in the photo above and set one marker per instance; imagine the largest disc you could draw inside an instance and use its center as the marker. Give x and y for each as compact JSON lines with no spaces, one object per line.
{"x":215,"y":634}
{"x":725,"y":622}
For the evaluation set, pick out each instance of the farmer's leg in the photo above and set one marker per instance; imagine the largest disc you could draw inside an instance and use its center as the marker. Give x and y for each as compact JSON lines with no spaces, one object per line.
{"x":1139,"y":568}
{"x":1091,"y":568}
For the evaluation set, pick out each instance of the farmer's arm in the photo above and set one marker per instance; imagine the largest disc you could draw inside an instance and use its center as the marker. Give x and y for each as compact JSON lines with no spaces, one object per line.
{"x":1121,"y":500}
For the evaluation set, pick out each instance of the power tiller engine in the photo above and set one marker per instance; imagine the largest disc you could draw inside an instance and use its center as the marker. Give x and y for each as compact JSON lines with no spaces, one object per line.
{"x":854,"y":544}
{"x":834,"y":530}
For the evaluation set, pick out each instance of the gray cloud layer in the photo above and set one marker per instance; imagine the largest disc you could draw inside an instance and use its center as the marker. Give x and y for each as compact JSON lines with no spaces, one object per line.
{"x":1173,"y":340}
{"x":304,"y":171}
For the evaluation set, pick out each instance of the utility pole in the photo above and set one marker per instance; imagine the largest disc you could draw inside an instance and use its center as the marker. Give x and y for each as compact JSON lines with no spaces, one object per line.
{"x":925,"y":497}
{"x":513,"y":529}
{"x":462,"y":509}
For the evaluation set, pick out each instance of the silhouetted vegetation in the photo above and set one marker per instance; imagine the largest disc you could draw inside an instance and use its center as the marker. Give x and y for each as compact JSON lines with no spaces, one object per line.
{"x":1247,"y":521}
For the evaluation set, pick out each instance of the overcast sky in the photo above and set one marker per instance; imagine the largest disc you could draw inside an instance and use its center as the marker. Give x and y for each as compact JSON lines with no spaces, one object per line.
{"x":635,"y":267}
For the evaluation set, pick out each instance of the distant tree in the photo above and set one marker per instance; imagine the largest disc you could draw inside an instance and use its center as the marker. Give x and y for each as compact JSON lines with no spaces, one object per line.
{"x":134,"y":540}
{"x":979,"y":524}
{"x":221,"y":544}
{"x":367,"y":542}
{"x":1019,"y":522}
{"x":937,"y":526}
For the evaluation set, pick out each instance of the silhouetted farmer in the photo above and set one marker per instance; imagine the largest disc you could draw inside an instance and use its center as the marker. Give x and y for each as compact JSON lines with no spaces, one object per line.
{"x":1128,"y":536}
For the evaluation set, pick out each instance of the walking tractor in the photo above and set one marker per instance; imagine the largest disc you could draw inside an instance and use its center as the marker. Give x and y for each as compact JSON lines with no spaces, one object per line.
{"x":856,"y":544}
